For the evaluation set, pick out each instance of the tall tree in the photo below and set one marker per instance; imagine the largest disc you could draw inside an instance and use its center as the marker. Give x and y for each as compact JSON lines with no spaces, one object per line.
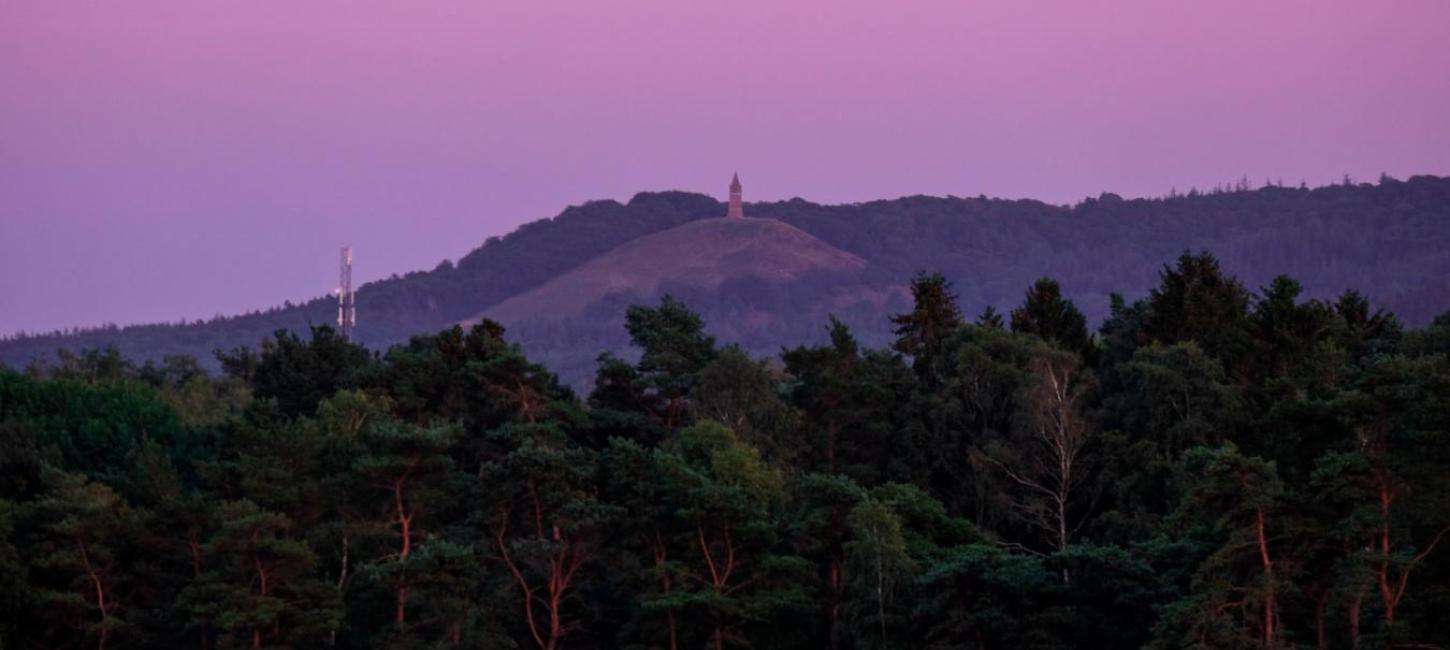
{"x":1363,"y":330}
{"x":300,"y":374}
{"x":979,"y":377}
{"x":1237,"y":589}
{"x":675,"y":349}
{"x":741,"y":393}
{"x":1045,"y":464}
{"x":725,"y":496}
{"x":15,"y":596}
{"x":820,"y":533}
{"x":80,"y":560}
{"x":933,"y":317}
{"x":849,"y":400}
{"x":1169,"y":399}
{"x":543,"y":524}
{"x":410,"y":475}
{"x":1391,"y":483}
{"x":1288,"y":333}
{"x":979,"y":595}
{"x":1197,"y":301}
{"x":991,"y":318}
{"x":258,"y":586}
{"x":648,"y":534}
{"x":878,"y":562}
{"x":1053,"y":318}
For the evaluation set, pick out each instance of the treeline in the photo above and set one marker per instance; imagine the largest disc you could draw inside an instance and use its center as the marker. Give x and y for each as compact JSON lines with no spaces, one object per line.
{"x":1212,"y":468}
{"x":1390,"y":236}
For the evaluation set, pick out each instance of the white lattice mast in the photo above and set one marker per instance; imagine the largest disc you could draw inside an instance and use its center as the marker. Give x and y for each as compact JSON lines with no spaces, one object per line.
{"x":346,"y":297}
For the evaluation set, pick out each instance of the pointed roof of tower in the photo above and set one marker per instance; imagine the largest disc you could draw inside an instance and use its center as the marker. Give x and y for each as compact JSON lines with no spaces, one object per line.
{"x":735,"y":181}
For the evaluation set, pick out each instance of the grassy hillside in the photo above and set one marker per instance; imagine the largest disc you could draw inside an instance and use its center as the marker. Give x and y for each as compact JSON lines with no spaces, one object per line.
{"x":703,"y":254}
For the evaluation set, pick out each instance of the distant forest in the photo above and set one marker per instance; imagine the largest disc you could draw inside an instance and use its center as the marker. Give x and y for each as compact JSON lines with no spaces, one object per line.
{"x":1215,"y":466}
{"x":1387,"y":238}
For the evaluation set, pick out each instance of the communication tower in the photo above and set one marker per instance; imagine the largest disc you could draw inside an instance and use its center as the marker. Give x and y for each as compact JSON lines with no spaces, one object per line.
{"x":346,"y":297}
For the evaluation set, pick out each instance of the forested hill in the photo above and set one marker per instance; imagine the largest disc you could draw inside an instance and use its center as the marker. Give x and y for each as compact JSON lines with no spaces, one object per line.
{"x":1387,"y":239}
{"x":392,"y":310}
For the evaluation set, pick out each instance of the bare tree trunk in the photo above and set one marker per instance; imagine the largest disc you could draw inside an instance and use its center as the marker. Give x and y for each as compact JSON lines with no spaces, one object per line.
{"x":1047,"y":470}
{"x":101,"y":605}
{"x":1354,"y":608}
{"x":1321,"y":641}
{"x":194,"y":546}
{"x":341,"y":585}
{"x":1270,"y":601}
{"x":405,"y":524}
{"x":661,"y":554}
{"x":881,"y":594}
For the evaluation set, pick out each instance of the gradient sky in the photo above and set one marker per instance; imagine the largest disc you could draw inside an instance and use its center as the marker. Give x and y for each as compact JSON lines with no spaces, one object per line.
{"x":167,"y":160}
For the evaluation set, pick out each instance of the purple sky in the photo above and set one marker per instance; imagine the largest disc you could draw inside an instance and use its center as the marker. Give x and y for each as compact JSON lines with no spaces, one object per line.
{"x":165,"y":160}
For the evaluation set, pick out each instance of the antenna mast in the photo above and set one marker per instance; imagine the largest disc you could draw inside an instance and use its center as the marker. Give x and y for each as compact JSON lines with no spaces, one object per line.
{"x":346,"y":297}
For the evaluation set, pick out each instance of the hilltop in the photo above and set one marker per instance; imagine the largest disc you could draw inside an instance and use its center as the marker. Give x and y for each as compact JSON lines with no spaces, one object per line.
{"x":701,"y":254}
{"x":1387,"y":239}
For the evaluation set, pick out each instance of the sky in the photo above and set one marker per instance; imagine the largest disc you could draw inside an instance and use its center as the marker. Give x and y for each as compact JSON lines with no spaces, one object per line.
{"x":167,"y":160}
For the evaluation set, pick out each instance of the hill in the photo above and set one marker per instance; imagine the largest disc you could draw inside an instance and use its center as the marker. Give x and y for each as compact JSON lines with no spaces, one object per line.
{"x":702,"y":254}
{"x":1387,"y":239}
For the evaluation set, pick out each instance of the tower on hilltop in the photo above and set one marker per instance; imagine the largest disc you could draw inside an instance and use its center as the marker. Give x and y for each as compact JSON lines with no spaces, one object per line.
{"x":737,"y":208}
{"x":346,"y":297}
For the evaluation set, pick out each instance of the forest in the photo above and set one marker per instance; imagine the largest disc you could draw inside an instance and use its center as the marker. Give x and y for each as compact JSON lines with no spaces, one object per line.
{"x":1388,"y":237}
{"x":1215,"y":466}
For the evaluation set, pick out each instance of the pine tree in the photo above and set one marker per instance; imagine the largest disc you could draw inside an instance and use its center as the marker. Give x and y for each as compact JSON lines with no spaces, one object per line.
{"x":1045,"y":313}
{"x":990,"y":318}
{"x":724,"y":497}
{"x":258,"y":588}
{"x":675,"y":349}
{"x":79,"y":560}
{"x":921,"y":332}
{"x":542,"y":524}
{"x":1238,"y":589}
{"x":410,"y":474}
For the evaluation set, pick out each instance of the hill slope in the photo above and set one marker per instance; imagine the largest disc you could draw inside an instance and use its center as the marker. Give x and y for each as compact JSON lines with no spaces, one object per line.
{"x":702,"y":254}
{"x":1387,"y":239}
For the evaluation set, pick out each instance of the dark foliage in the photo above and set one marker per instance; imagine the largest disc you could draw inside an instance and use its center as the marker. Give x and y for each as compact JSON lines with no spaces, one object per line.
{"x":1216,"y":468}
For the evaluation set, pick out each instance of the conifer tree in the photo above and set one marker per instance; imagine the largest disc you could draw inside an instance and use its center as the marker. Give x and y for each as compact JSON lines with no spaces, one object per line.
{"x":542,"y":525}
{"x":991,"y":318}
{"x":1045,"y":313}
{"x":724,"y":497}
{"x":79,"y":560}
{"x":258,"y":588}
{"x":921,"y":332}
{"x":674,"y":349}
{"x":1197,"y":301}
{"x":410,"y":475}
{"x":820,"y":530}
{"x":1238,"y":589}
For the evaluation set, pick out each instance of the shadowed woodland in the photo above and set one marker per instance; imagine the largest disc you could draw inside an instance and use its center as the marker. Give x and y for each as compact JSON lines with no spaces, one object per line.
{"x":1214,"y":467}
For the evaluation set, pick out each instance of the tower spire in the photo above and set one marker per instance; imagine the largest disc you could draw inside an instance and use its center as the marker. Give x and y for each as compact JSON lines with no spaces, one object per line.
{"x":737,"y":206}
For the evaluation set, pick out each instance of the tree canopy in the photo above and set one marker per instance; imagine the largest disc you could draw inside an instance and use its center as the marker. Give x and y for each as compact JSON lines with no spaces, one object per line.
{"x":1214,"y":467}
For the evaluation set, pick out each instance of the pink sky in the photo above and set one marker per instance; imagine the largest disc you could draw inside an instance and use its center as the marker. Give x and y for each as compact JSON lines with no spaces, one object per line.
{"x":165,"y":160}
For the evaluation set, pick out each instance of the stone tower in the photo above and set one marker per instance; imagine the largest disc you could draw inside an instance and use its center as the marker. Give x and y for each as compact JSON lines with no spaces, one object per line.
{"x":737,"y":208}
